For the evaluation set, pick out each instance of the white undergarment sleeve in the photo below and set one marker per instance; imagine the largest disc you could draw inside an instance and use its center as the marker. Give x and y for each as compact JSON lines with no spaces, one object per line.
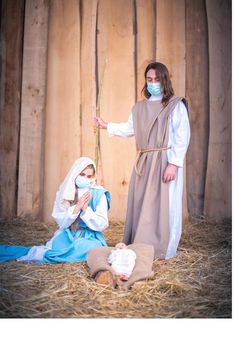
{"x":122,"y":261}
{"x":96,"y":220}
{"x":65,"y":217}
{"x":121,"y":129}
{"x":179,"y":135}
{"x":35,"y":254}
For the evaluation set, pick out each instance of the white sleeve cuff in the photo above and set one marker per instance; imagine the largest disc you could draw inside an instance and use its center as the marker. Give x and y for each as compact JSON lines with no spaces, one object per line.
{"x":121,"y":129}
{"x":96,"y":220}
{"x":87,"y":214}
{"x":110,"y":129}
{"x":70,"y":213}
{"x":175,"y":161}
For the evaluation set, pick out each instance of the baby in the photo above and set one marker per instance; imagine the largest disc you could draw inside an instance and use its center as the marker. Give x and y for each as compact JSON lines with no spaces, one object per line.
{"x":122,"y":261}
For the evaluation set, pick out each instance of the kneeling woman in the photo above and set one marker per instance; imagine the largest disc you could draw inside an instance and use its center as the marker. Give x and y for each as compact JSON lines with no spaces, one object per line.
{"x":80,"y":210}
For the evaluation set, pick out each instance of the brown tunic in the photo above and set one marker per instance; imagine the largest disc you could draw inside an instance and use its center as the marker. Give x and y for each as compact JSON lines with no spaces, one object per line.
{"x":147,"y":219}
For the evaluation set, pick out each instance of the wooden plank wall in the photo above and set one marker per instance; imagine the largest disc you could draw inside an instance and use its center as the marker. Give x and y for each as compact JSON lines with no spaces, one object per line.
{"x":70,"y":49}
{"x":197,"y":93}
{"x":31,"y":147}
{"x":218,"y":177}
{"x":88,"y":57}
{"x":115,"y":44}
{"x":62,"y":131}
{"x":145,"y":39}
{"x":170,"y":50}
{"x":11,"y":41}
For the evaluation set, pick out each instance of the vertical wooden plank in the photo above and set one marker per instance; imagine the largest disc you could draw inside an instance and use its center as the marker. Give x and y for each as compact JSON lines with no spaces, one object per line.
{"x":116,"y":44}
{"x":146,"y":39}
{"x":197,"y":93}
{"x":11,"y":41}
{"x":62,"y":136}
{"x":30,"y":183}
{"x":170,"y":50}
{"x":88,"y":78}
{"x":170,"y":32}
{"x":218,"y":178}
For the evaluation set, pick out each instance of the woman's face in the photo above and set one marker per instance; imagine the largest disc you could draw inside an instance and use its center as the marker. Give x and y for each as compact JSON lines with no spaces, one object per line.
{"x":151,"y":76}
{"x":87,"y":173}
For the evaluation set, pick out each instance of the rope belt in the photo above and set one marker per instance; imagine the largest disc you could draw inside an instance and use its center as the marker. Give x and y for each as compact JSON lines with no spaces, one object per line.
{"x":139,"y":153}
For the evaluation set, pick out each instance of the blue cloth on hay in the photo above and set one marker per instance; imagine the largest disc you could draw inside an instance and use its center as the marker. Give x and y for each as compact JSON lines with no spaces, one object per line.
{"x":67,"y":246}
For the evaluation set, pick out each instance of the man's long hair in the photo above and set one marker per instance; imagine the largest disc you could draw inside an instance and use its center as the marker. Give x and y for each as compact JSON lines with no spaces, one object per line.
{"x":165,"y":81}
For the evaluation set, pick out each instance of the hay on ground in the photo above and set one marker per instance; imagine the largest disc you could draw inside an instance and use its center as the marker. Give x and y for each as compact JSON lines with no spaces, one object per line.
{"x":194,"y":284}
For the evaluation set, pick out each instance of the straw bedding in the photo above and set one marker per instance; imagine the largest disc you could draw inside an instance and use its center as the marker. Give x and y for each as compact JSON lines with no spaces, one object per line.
{"x":195,"y":284}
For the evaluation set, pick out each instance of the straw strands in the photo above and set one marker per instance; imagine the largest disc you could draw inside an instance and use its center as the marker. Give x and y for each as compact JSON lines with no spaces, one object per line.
{"x":195,"y":284}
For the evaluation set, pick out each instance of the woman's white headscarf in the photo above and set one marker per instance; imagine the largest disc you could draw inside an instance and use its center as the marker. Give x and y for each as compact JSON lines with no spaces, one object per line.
{"x":67,"y":189}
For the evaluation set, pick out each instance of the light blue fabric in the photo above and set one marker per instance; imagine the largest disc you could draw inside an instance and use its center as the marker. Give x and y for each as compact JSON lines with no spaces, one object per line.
{"x":83,"y":182}
{"x":73,"y":247}
{"x":12,"y":252}
{"x":67,"y":246}
{"x":154,"y":89}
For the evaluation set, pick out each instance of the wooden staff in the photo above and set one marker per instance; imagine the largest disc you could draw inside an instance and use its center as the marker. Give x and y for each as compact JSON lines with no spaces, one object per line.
{"x":97,"y":130}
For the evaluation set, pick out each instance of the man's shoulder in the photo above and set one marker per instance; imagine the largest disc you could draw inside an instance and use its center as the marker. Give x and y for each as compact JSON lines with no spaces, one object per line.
{"x":139,"y":104}
{"x":181,"y":100}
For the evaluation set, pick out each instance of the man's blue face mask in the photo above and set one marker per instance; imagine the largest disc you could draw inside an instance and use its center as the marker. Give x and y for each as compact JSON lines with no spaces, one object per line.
{"x":154,"y":89}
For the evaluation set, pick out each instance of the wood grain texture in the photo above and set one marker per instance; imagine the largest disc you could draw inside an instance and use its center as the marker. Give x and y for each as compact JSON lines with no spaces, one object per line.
{"x":116,"y":45}
{"x":146,"y":39}
{"x":11,"y":42}
{"x":197,"y":94}
{"x":62,"y":136}
{"x":170,"y":50}
{"x":218,"y":178}
{"x":88,"y":75}
{"x":31,"y":152}
{"x":70,"y":48}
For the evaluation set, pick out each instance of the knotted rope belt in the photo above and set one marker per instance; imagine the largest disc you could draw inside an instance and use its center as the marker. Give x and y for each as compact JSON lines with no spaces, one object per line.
{"x":140,"y":152}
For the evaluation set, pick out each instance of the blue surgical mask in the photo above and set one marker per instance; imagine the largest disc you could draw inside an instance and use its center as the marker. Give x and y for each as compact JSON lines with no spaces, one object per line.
{"x":154,"y":89}
{"x":83,"y":182}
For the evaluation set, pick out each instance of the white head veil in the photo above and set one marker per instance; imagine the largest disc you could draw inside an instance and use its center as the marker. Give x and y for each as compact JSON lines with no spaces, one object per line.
{"x":67,"y":189}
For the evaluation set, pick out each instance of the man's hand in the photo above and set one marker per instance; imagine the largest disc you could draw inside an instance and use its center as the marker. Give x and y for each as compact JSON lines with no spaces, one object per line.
{"x":100,"y":123}
{"x":170,"y":173}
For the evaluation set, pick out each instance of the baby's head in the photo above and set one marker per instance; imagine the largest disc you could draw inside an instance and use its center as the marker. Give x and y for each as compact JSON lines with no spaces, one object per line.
{"x":121,"y":245}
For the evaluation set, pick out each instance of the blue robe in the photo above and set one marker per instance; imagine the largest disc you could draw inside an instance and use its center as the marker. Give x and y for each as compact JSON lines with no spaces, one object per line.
{"x":66,"y":246}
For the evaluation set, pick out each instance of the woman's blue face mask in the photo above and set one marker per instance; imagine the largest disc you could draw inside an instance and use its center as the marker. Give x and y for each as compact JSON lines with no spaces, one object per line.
{"x":154,"y":89}
{"x":83,"y":182}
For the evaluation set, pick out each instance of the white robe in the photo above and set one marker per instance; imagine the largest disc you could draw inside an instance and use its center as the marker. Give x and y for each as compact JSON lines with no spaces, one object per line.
{"x":179,"y":136}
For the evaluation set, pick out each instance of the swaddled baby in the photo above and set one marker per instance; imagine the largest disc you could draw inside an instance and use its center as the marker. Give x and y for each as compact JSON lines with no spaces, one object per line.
{"x":122,"y":260}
